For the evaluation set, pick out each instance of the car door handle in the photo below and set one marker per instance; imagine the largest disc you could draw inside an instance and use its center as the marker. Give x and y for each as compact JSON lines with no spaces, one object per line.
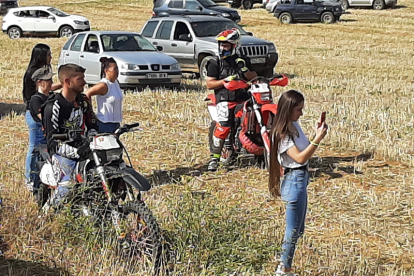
{"x":67,"y":54}
{"x":155,"y":43}
{"x":82,"y":56}
{"x":174,"y":45}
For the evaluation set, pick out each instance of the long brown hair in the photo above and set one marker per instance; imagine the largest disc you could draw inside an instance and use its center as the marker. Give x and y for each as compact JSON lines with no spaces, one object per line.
{"x":280,"y":128}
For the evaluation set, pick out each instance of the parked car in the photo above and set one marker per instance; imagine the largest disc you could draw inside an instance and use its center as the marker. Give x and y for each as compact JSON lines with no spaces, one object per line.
{"x":289,"y":11}
{"x":191,"y":40}
{"x":139,"y":62}
{"x":271,"y":5}
{"x":375,"y":4}
{"x":246,"y":4}
{"x":42,"y":20}
{"x":193,"y":7}
{"x":5,"y":5}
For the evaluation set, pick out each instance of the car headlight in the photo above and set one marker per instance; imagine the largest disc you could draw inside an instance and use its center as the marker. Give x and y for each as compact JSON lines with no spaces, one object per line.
{"x":77,"y":22}
{"x":272,"y":48}
{"x":175,"y":66}
{"x":336,"y":9}
{"x":225,"y":14}
{"x":131,"y":67}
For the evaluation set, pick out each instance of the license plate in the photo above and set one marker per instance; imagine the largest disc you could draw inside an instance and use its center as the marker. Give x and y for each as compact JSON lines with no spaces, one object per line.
{"x":157,"y":75}
{"x":257,"y":60}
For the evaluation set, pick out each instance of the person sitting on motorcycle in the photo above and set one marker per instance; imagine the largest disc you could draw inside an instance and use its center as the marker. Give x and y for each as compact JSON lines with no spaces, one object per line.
{"x":228,"y":66}
{"x":66,"y":111}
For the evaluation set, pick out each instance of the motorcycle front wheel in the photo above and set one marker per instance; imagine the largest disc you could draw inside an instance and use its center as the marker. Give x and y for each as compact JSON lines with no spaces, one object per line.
{"x":141,"y":236}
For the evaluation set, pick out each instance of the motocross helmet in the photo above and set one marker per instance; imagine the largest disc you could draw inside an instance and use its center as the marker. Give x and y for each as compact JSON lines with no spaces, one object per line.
{"x":232,"y":36}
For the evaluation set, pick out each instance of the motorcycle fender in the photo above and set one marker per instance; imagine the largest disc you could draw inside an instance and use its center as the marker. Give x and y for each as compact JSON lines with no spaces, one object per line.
{"x":135,"y":179}
{"x":213,"y":112}
{"x":269,"y":107}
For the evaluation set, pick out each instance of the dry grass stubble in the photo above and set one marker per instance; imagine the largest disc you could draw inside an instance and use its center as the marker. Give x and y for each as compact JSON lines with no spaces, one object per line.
{"x":360,"y":216}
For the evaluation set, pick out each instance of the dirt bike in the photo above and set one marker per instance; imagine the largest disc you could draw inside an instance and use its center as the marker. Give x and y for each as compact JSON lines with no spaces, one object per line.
{"x":249,"y":139}
{"x":105,"y":189}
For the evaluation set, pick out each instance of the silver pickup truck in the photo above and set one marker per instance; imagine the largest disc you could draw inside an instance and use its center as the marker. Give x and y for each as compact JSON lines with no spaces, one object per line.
{"x":190,"y":39}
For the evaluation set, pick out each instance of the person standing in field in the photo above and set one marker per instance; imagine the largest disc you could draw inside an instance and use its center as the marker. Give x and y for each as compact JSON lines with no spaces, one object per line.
{"x":43,"y":78}
{"x":41,"y":56}
{"x":109,"y":97}
{"x":291,"y":150}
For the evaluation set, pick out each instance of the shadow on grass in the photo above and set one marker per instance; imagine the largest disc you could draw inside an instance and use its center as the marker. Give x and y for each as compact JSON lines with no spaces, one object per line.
{"x":161,"y":177}
{"x":330,"y":165}
{"x":347,"y":20}
{"x":25,"y":268}
{"x":8,"y":108}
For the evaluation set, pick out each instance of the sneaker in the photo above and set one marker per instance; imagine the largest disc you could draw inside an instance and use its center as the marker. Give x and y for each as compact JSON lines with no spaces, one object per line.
{"x":212,"y":165}
{"x":280,"y":272}
{"x":29,"y":186}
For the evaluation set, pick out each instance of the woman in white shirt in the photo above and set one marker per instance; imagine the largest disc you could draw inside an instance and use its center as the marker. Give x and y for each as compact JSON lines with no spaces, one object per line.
{"x":291,"y":150}
{"x":109,"y":97}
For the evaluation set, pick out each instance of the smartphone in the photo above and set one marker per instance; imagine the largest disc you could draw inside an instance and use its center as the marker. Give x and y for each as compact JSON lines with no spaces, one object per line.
{"x":322,"y":119}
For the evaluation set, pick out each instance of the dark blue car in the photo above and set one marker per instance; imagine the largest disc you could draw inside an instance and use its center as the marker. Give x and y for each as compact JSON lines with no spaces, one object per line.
{"x":193,"y":7}
{"x":289,"y":11}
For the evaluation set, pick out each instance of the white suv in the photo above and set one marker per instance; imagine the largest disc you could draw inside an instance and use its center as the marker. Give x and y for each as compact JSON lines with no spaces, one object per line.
{"x":42,"y":20}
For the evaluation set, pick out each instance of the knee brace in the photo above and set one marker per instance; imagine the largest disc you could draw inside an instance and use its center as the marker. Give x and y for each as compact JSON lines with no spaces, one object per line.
{"x":221,"y":131}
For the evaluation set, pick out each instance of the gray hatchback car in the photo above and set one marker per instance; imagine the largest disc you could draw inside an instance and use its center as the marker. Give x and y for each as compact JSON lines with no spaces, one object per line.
{"x":191,"y":40}
{"x":139,"y":62}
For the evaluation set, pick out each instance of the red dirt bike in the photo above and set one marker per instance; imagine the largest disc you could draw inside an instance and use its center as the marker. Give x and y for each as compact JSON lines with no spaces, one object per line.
{"x":249,"y":139}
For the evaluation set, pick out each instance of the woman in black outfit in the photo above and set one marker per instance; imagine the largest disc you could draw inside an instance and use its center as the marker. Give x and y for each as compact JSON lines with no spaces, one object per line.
{"x":41,"y":57}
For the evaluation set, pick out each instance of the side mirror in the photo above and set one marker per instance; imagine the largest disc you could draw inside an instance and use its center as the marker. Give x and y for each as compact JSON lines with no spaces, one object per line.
{"x":184,"y":37}
{"x":51,"y":17}
{"x":200,"y":8}
{"x":160,"y":48}
{"x":249,"y":33}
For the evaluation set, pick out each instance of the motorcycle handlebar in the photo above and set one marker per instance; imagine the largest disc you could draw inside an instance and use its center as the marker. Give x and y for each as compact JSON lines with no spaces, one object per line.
{"x":125,"y":128}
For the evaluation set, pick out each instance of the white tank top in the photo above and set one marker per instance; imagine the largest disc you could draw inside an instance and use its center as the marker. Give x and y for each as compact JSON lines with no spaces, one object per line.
{"x":110,"y":105}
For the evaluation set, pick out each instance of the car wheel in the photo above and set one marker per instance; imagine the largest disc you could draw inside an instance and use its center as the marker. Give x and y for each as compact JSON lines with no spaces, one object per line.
{"x":247,"y":4}
{"x":66,"y":31}
{"x":203,"y":67}
{"x":327,"y":18}
{"x":286,"y":18}
{"x":378,"y":5}
{"x":345,"y":4}
{"x":14,"y":33}
{"x":236,"y":4}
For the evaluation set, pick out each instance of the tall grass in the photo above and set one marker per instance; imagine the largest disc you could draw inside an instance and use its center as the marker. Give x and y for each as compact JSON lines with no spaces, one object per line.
{"x":360,"y":218}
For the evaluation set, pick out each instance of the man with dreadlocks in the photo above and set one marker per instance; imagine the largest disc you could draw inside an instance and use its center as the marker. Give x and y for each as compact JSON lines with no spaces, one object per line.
{"x":226,"y":67}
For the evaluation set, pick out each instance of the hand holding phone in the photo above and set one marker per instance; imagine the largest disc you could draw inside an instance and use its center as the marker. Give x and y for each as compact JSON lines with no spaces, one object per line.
{"x":322,"y":119}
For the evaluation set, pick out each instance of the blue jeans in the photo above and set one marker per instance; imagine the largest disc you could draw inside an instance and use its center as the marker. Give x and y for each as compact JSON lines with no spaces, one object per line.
{"x":108,"y":127}
{"x":36,"y":137}
{"x":66,"y":168}
{"x":295,"y":195}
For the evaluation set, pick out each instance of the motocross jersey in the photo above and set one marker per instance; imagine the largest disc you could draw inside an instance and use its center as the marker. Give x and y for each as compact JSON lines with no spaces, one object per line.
{"x":221,"y":69}
{"x":59,"y":116}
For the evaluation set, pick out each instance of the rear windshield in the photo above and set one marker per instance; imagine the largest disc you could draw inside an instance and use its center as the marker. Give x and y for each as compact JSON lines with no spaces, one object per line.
{"x":213,"y":28}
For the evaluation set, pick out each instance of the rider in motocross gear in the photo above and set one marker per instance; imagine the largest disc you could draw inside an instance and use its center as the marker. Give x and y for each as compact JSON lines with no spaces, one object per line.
{"x":228,"y":66}
{"x":65,"y":111}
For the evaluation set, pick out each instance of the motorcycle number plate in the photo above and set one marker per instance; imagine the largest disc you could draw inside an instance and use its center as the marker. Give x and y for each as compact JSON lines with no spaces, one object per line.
{"x":105,"y":142}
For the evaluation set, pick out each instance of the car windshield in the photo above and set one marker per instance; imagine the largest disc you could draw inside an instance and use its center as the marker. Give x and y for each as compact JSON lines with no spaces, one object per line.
{"x":207,"y":3}
{"x":126,"y":43}
{"x":58,"y":12}
{"x":213,"y":28}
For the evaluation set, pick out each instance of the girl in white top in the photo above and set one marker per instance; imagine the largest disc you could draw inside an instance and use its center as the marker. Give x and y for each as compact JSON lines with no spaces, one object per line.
{"x":109,"y":97}
{"x":291,"y":150}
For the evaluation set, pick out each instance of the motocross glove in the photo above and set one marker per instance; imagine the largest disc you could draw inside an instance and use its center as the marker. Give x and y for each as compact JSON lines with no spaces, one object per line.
{"x":230,"y":78}
{"x":241,"y":63}
{"x":84,"y":149}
